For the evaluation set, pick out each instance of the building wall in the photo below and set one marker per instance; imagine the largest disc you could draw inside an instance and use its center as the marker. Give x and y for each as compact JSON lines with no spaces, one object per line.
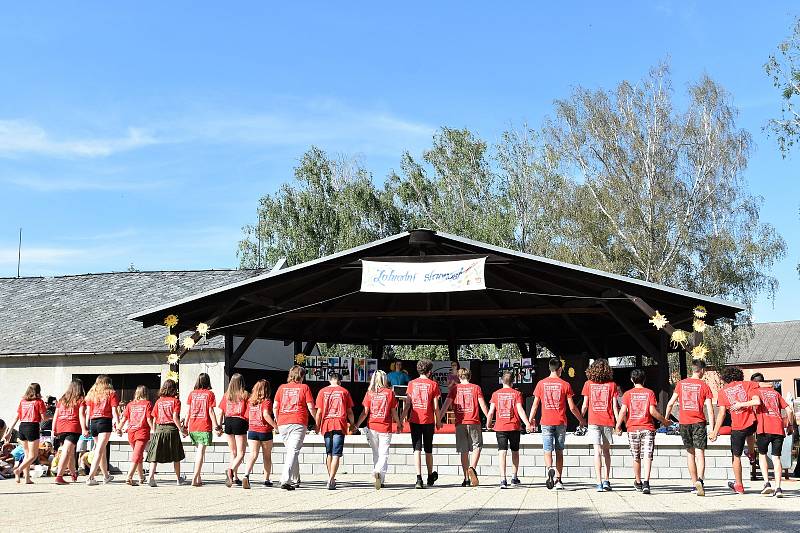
{"x":54,"y":372}
{"x":786,"y":373}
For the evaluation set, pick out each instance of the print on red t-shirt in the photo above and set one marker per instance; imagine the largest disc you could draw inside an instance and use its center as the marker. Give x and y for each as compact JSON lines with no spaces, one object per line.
{"x":102,"y":407}
{"x":164,"y":409}
{"x":553,"y":394}
{"x":255,"y":416}
{"x":505,"y":402}
{"x":200,"y":402}
{"x":737,"y":392}
{"x":422,"y":392}
{"x":237,"y":409}
{"x":380,"y":404}
{"x":292,"y":400}
{"x":638,"y":402}
{"x":31,"y":410}
{"x":464,"y":397}
{"x":68,"y":420}
{"x":770,"y":419}
{"x":692,"y":395}
{"x":601,"y":398}
{"x":333,"y":403}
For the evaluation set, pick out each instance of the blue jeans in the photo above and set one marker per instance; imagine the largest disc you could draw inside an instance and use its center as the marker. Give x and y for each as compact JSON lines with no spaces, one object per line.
{"x":553,"y":438}
{"x":334,"y":443}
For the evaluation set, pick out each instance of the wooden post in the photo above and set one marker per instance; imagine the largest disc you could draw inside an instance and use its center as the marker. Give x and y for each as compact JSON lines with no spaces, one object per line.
{"x":663,"y":390}
{"x":228,"y":357}
{"x":452,"y":349}
{"x":682,"y":364}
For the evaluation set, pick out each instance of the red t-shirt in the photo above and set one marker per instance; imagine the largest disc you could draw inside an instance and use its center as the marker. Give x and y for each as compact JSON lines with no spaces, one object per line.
{"x":333,"y":402}
{"x":692,"y":395}
{"x":421,"y":393}
{"x":292,"y":399}
{"x":380,"y":404}
{"x":200,"y":402}
{"x":769,"y":412}
{"x":31,"y":410}
{"x":137,"y":413}
{"x":101,"y":408}
{"x":739,"y":391}
{"x":68,"y":418}
{"x":553,"y":394}
{"x":638,"y":401}
{"x":601,"y":397}
{"x":464,"y":397}
{"x":234,"y":409}
{"x":164,"y":409}
{"x":505,"y":402}
{"x":255,"y":416}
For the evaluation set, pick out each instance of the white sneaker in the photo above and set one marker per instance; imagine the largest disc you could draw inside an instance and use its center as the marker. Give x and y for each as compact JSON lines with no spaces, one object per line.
{"x":559,"y":485}
{"x":152,"y":482}
{"x":107,"y":480}
{"x":180,"y":481}
{"x":91,"y":482}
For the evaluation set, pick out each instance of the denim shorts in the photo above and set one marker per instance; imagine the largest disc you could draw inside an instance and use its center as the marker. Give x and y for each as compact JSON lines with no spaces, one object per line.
{"x":553,"y":438}
{"x":334,"y":443}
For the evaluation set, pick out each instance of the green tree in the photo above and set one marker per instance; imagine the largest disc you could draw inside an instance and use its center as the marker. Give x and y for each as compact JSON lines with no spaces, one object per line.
{"x":783,"y":67}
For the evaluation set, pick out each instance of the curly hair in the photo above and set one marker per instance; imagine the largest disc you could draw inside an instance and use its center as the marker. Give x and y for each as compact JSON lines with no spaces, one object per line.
{"x":600,"y":371}
{"x":729,"y":374}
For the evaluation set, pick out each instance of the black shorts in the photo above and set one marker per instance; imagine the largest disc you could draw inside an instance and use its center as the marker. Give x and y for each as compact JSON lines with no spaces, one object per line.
{"x":100,"y":425}
{"x":29,"y":431}
{"x":763,"y":440}
{"x":69,"y":437}
{"x":422,"y":437}
{"x":508,"y":439}
{"x":738,"y":439}
{"x":259,"y":436}
{"x":236,"y":426}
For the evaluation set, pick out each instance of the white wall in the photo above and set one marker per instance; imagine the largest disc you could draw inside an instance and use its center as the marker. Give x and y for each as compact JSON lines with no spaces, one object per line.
{"x":54,"y":372}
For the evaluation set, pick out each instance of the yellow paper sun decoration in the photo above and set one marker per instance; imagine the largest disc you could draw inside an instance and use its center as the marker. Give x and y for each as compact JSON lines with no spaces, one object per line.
{"x":171,"y":341}
{"x":700,"y":351}
{"x":700,"y":312}
{"x":300,"y":358}
{"x":172,"y":358}
{"x":699,"y":325}
{"x":202,"y":329}
{"x":171,"y":321}
{"x":659,"y":320}
{"x":188,"y":343}
{"x":571,"y":372}
{"x":173,"y":376}
{"x":679,"y":338}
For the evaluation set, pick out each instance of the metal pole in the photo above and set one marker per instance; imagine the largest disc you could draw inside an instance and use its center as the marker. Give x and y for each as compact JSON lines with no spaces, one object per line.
{"x":19,"y":251}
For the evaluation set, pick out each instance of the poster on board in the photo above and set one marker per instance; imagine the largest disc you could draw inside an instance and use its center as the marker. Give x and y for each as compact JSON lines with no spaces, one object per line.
{"x":441,"y":373}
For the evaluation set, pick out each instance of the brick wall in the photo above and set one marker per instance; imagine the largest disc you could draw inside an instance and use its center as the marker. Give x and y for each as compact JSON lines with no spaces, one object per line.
{"x":669,"y":461}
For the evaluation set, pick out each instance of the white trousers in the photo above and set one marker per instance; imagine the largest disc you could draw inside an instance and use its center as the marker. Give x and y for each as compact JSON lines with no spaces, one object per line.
{"x":293,"y":437}
{"x":379,"y":442}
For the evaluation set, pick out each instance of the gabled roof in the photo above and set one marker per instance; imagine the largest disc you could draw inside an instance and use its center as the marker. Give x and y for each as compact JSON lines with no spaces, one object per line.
{"x":772,"y":342}
{"x":88,"y":313}
{"x":533,"y":298}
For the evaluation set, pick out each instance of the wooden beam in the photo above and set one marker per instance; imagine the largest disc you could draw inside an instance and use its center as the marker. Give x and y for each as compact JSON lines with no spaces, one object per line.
{"x":228,"y":357}
{"x":637,"y":335}
{"x":252,"y":335}
{"x":309,"y":347}
{"x":451,"y":313}
{"x":452,"y":350}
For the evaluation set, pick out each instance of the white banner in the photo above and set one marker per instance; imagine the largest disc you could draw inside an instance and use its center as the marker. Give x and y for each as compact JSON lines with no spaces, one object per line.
{"x":441,"y":276}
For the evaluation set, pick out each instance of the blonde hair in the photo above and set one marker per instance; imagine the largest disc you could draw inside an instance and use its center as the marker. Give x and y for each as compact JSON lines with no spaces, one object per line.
{"x":508,"y":378}
{"x":101,"y":389}
{"x":261,"y":391}
{"x":296,"y":374}
{"x":464,"y":373}
{"x":236,"y":391}
{"x":378,"y":381}
{"x":142,"y":393}
{"x":74,"y":393}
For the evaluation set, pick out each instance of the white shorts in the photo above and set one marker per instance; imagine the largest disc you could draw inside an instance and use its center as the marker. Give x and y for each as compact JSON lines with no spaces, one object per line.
{"x":601,"y":435}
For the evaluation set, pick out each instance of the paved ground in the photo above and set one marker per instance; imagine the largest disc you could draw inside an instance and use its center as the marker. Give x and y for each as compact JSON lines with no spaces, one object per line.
{"x":355,"y":505}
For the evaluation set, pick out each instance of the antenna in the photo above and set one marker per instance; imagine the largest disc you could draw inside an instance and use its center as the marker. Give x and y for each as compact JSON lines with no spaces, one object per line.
{"x":19,"y":251}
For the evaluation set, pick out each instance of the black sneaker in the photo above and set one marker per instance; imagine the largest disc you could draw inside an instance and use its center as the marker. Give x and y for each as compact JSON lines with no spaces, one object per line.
{"x":646,"y":487}
{"x":419,"y":484}
{"x":268,"y":483}
{"x":287,"y":486}
{"x":515,"y":480}
{"x":638,"y":485}
{"x":432,"y":477}
{"x":238,"y":482}
{"x":465,"y":483}
{"x":551,"y":475}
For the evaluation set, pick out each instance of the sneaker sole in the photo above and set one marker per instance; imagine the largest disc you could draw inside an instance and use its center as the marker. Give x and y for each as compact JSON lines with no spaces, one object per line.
{"x":245,"y":483}
{"x":377,"y":481}
{"x":701,"y":491}
{"x":473,"y":477}
{"x":767,"y":492}
{"x":550,"y":483}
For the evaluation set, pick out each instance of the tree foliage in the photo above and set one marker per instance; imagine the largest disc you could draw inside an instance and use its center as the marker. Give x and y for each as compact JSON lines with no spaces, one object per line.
{"x":783,"y":67}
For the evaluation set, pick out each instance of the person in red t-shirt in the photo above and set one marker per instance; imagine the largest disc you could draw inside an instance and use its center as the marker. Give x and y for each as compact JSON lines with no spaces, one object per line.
{"x":334,"y":412}
{"x":600,"y":395}
{"x":165,"y":444}
{"x":693,"y":395}
{"x":772,"y":417}
{"x":740,"y":398}
{"x":466,"y":398}
{"x":69,"y":423}
{"x":200,"y":421}
{"x":102,"y":411}
{"x":422,"y":411}
{"x":293,"y":403}
{"x":259,"y":431}
{"x":234,"y":407}
{"x":30,"y":412}
{"x":554,"y":395}
{"x":380,"y":406}
{"x":506,"y":403}
{"x":138,"y":415}
{"x":638,"y":411}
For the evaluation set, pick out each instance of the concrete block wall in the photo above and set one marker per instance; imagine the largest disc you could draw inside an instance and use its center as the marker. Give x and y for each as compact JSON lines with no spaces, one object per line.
{"x":669,"y":461}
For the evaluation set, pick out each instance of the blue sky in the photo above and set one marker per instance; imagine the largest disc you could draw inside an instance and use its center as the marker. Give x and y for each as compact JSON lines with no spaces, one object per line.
{"x":147,"y":134}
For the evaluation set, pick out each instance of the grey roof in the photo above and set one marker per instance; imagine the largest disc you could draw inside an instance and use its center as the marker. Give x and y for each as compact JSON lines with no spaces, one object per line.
{"x":88,"y":313}
{"x":772,"y":342}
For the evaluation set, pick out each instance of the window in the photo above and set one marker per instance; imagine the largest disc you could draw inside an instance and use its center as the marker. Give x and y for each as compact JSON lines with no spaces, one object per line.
{"x":125,"y":384}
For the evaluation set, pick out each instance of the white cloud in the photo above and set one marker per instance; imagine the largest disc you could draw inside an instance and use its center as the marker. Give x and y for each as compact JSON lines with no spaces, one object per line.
{"x":21,"y":137}
{"x":41,"y":184}
{"x":38,"y":256}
